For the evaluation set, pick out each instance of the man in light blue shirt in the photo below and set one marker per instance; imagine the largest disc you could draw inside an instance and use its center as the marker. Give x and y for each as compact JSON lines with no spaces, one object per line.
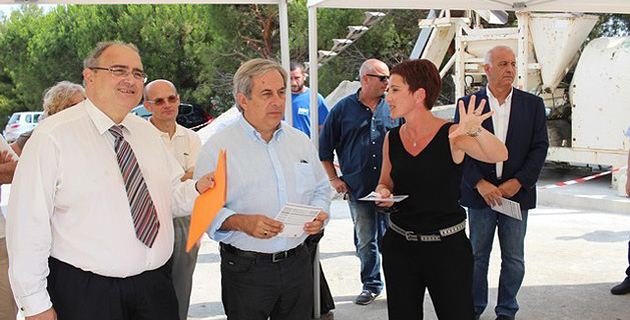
{"x":269,"y":164}
{"x":301,"y":100}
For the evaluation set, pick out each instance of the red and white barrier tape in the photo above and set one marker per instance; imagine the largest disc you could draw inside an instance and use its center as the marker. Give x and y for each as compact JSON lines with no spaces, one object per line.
{"x":580,"y":180}
{"x":201,"y":125}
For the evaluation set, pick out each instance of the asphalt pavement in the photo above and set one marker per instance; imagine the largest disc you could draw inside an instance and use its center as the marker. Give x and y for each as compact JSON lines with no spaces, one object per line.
{"x":576,"y":249}
{"x":573,"y":256}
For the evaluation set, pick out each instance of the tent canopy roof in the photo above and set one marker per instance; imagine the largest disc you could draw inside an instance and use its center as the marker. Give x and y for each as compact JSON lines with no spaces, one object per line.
{"x":610,"y":6}
{"x":139,"y":1}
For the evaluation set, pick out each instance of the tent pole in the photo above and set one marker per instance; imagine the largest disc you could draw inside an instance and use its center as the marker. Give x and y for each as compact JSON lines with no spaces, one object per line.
{"x":285,"y":56}
{"x":312,"y":70}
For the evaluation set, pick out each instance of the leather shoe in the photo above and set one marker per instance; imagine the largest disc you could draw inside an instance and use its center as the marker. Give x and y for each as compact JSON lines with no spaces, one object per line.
{"x":621,"y":288}
{"x":504,"y":317}
{"x":365,"y":297}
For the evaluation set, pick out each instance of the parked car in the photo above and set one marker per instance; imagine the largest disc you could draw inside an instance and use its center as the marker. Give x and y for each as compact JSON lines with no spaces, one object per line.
{"x":21,"y":122}
{"x":189,"y":116}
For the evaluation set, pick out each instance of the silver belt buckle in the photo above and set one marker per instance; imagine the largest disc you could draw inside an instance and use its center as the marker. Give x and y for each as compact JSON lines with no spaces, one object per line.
{"x":279,"y":256}
{"x":410,"y":236}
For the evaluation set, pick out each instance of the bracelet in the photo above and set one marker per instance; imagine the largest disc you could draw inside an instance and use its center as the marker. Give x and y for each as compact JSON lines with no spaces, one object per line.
{"x":333,"y":178}
{"x":475,"y":133}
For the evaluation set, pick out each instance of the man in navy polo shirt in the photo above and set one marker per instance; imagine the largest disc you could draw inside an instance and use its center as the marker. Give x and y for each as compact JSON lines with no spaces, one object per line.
{"x":355,"y":129}
{"x":300,"y":101}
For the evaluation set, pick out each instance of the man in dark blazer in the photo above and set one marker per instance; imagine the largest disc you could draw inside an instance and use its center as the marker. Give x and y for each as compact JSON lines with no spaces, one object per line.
{"x":519,"y":121}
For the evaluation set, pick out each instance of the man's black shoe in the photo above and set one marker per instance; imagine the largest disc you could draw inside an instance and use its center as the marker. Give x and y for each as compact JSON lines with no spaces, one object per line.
{"x":504,"y":317}
{"x":621,"y":288}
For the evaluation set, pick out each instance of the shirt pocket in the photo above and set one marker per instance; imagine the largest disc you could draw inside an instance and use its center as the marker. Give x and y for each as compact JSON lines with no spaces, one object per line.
{"x":304,"y":178}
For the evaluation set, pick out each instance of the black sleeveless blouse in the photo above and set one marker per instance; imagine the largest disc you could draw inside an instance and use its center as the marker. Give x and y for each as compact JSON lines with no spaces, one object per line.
{"x":432,"y":181}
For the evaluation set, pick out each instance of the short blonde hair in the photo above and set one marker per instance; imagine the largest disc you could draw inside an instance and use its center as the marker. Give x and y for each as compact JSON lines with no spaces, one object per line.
{"x":57,"y":97}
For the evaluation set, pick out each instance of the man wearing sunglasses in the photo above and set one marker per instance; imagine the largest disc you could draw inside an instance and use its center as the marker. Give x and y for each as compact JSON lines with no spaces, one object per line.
{"x":161,"y":98}
{"x":355,"y":129}
{"x":90,"y":228}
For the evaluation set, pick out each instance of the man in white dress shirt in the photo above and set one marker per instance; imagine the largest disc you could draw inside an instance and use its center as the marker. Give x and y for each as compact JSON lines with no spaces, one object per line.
{"x":269,"y":164}
{"x":90,"y":216}
{"x":161,"y":98}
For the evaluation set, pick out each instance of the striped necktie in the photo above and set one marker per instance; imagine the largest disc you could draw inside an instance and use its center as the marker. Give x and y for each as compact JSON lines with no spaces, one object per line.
{"x":145,"y":219}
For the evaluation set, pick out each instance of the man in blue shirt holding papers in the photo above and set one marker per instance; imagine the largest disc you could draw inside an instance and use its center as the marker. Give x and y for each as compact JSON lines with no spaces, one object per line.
{"x":269,"y":164}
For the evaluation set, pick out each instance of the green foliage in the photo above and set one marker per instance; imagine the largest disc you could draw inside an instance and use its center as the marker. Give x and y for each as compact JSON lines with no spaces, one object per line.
{"x":197,"y":47}
{"x":611,"y":25}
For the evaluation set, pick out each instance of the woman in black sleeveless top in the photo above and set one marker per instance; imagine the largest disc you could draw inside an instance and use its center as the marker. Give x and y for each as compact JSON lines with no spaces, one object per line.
{"x":426,"y":246}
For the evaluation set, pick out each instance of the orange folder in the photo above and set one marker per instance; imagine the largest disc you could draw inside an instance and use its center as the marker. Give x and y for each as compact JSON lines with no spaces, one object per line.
{"x":208,"y":204}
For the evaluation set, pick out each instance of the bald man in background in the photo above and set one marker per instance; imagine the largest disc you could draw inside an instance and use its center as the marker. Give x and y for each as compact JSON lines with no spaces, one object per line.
{"x":161,"y":98}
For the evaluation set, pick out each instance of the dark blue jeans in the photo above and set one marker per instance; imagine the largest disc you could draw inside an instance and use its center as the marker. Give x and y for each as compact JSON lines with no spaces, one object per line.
{"x":483,"y":223}
{"x":370,"y":223}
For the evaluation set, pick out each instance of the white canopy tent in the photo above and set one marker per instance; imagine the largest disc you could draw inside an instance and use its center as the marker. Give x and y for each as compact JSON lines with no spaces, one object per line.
{"x":610,"y":6}
{"x":283,"y":18}
{"x":603,"y":6}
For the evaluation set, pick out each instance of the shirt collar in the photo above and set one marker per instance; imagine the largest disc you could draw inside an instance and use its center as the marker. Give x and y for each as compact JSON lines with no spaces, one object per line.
{"x":380,"y":101}
{"x":179,"y":129}
{"x":100,"y":119}
{"x":491,"y":96}
{"x":255,"y":135}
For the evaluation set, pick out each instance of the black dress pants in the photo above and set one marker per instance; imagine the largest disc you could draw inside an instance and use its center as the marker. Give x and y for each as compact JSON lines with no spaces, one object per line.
{"x":258,"y":289}
{"x":81,"y":295}
{"x":445,"y":268}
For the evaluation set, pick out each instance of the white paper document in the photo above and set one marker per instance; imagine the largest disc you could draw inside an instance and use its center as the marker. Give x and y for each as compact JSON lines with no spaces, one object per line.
{"x":373,"y":196}
{"x":509,"y":208}
{"x":294,"y":216}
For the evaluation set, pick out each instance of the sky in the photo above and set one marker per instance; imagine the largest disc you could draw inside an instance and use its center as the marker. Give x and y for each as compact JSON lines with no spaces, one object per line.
{"x":8,"y":8}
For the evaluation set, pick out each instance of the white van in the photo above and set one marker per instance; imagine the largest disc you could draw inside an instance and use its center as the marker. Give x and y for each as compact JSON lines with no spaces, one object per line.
{"x":21,"y":122}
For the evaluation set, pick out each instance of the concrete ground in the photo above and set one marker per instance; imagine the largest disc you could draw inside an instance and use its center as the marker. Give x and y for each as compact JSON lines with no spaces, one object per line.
{"x":576,"y":249}
{"x":573,"y":256}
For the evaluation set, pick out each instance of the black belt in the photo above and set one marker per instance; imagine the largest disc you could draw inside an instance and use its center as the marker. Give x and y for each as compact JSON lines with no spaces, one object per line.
{"x":434,"y":237}
{"x":273,"y":257}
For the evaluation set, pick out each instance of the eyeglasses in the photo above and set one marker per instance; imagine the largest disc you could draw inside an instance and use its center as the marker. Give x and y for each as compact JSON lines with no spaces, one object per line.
{"x":124,"y":72}
{"x":381,"y":77}
{"x":161,"y":101}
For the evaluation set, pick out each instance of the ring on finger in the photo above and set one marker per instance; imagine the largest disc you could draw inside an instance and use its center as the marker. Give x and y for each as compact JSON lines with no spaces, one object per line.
{"x":265,"y":233}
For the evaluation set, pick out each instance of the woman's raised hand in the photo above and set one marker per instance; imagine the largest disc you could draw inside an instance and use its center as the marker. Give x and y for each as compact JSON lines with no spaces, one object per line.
{"x":470,"y":118}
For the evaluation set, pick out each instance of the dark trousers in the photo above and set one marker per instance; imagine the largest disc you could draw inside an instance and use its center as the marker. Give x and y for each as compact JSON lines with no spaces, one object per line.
{"x":258,"y":289}
{"x":80,"y":295}
{"x":445,"y":268}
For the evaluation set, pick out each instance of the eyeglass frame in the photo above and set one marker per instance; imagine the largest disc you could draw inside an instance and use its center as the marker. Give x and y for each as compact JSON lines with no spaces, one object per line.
{"x":126,"y":71}
{"x":381,"y":77}
{"x":163,"y":100}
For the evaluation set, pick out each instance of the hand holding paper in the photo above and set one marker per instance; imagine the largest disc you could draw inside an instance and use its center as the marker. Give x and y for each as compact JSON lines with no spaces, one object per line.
{"x":373,"y":196}
{"x":509,"y":208}
{"x":316,"y":225}
{"x":295,"y":216}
